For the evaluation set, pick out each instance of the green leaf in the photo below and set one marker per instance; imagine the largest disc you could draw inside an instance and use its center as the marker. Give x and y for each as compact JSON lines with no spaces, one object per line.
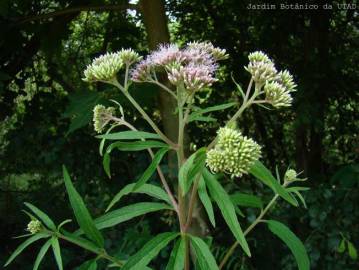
{"x":57,"y":252}
{"x":149,"y":251}
{"x":247,"y":200}
{"x":341,"y":247}
{"x":220,"y":196}
{"x":106,"y":164}
{"x":205,"y":258}
{"x":82,"y":215}
{"x":135,"y":146}
{"x":177,"y":257}
{"x":129,"y":135}
{"x":206,"y":201}
{"x":188,"y":171}
{"x":259,"y":171}
{"x":89,"y":265}
{"x":81,"y":242}
{"x":352,"y":251}
{"x":151,"y":190}
{"x":123,"y":214}
{"x":200,"y":118}
{"x":292,"y":241}
{"x":197,"y":114}
{"x":42,"y":216}
{"x":152,"y":168}
{"x":24,"y":245}
{"x":102,"y":143}
{"x":41,"y":254}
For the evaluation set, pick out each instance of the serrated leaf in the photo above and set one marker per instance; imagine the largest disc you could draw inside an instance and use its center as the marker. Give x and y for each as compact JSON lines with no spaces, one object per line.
{"x":125,"y":213}
{"x":42,"y":216}
{"x":57,"y":252}
{"x":152,"y":168}
{"x":177,"y":257}
{"x":41,"y":254}
{"x":129,"y":135}
{"x":352,"y":251}
{"x":149,"y":251}
{"x":188,"y":171}
{"x":24,"y":245}
{"x":206,"y":201}
{"x":82,"y":215}
{"x":205,"y":258}
{"x":221,"y":197}
{"x":247,"y":200}
{"x":151,"y":190}
{"x":259,"y":171}
{"x":292,"y":241}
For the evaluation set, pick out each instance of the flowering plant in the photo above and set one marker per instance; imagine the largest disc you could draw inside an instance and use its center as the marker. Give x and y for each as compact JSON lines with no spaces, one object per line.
{"x":189,"y":70}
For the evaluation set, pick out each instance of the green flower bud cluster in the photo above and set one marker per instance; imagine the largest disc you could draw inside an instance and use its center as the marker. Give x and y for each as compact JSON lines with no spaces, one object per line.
{"x":34,"y":226}
{"x":104,"y":67}
{"x":277,"y":94}
{"x":102,"y":116}
{"x":263,"y":70}
{"x":233,"y":154}
{"x":290,"y":175}
{"x":129,"y":56}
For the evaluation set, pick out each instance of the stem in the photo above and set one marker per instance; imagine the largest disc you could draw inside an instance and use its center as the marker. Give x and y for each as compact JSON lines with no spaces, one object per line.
{"x":144,"y":114}
{"x":159,"y":171}
{"x":250,"y":228}
{"x":192,"y":202}
{"x":164,"y":87}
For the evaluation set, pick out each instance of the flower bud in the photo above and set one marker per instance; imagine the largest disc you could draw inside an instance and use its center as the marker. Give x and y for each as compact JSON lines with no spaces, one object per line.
{"x":102,"y":116}
{"x":290,"y":175}
{"x":103,"y":68}
{"x":286,"y":79}
{"x":258,"y":56}
{"x":129,"y":56}
{"x":262,"y":71}
{"x":233,"y":154}
{"x":277,"y":95}
{"x":34,"y":226}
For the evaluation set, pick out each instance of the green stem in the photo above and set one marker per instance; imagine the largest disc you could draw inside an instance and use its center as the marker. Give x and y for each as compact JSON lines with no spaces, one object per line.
{"x":250,"y":228}
{"x":192,"y":202}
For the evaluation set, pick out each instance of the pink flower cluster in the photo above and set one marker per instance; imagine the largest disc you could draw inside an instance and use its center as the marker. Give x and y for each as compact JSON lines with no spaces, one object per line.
{"x":193,"y":66}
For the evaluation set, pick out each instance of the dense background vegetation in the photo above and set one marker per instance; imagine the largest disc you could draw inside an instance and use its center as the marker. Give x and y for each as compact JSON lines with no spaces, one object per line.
{"x":46,"y":111}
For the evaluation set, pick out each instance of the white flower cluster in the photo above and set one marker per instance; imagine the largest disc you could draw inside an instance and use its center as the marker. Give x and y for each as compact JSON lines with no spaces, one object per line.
{"x":34,"y":226}
{"x":290,"y":175}
{"x":102,"y":116}
{"x":277,"y":85}
{"x":105,"y":67}
{"x":233,"y":154}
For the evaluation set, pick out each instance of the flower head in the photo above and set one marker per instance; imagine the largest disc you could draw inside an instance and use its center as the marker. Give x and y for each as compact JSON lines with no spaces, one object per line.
{"x":290,"y":175}
{"x":142,"y":71}
{"x":207,"y":48}
{"x":104,"y":67}
{"x":262,"y":71}
{"x":286,"y":79}
{"x":258,"y":56}
{"x":102,"y":116}
{"x":129,"y":56}
{"x":34,"y":226}
{"x":166,"y":55}
{"x":277,"y":94}
{"x":233,"y":154}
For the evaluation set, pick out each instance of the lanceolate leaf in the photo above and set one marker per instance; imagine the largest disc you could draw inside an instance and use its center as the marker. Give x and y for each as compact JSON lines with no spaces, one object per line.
{"x":123,"y":214}
{"x":135,"y":146}
{"x":24,"y":245}
{"x":81,"y":242}
{"x":220,"y":196}
{"x":152,"y":168}
{"x":246,"y":200}
{"x":194,"y":116}
{"x":151,"y":190}
{"x":205,"y":258}
{"x":57,"y":252}
{"x":82,"y":215}
{"x":41,"y":254}
{"x":193,"y":165}
{"x":89,"y":265}
{"x":292,"y":241}
{"x":129,"y":135}
{"x":149,"y":251}
{"x":259,"y":171}
{"x":42,"y":216}
{"x":177,"y":257}
{"x":206,"y":201}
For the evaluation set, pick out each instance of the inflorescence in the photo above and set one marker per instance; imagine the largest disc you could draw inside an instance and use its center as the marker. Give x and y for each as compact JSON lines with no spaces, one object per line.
{"x":233,"y":154}
{"x":34,"y":226}
{"x":277,"y":85}
{"x":102,"y":116}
